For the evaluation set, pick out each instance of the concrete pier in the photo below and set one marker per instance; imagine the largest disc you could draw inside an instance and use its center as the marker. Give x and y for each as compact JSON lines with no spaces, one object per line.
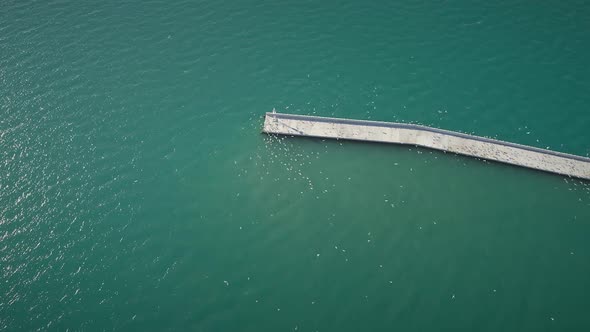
{"x":444,"y":140}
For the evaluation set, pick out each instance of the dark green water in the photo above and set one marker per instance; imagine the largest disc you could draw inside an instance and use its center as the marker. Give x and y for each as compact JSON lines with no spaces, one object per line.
{"x":137,"y":193}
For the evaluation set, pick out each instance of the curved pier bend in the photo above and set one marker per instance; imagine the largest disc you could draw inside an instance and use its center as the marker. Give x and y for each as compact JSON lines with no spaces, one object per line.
{"x":444,"y":140}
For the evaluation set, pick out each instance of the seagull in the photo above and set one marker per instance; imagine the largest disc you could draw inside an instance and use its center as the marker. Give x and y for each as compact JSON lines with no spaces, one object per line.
{"x":274,"y":111}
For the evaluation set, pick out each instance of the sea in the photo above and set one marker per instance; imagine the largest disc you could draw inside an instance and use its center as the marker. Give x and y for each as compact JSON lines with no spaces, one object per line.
{"x":138,"y":193}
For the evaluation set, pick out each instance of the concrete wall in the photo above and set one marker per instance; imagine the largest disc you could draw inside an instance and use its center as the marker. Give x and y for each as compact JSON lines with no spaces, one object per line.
{"x":387,"y":132}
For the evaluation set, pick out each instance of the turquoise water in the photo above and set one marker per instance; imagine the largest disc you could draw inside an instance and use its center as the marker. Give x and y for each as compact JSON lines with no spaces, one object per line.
{"x":138,"y":194}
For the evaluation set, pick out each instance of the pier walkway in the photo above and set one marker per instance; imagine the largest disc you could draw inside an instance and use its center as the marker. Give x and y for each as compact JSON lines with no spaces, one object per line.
{"x":444,"y":140}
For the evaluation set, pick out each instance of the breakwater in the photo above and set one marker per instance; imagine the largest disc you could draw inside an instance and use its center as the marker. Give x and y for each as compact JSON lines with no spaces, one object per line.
{"x":428,"y":137}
